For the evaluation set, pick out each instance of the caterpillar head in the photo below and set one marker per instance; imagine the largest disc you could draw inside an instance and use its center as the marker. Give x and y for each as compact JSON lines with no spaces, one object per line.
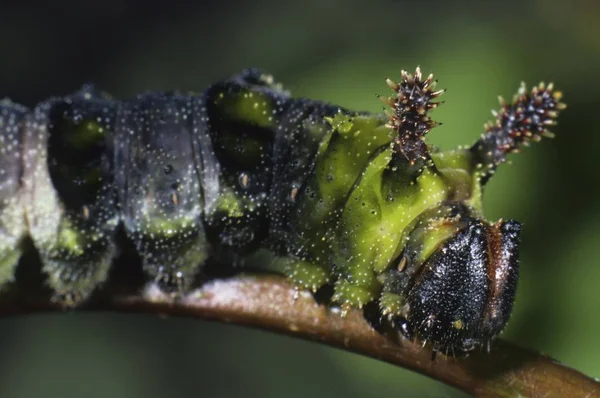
{"x":463,"y":274}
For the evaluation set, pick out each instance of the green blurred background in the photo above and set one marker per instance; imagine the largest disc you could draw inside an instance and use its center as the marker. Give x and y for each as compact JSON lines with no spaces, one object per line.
{"x":339,"y":51}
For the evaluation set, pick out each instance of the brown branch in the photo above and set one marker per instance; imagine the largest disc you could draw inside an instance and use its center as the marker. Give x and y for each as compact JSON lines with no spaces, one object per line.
{"x":271,"y":303}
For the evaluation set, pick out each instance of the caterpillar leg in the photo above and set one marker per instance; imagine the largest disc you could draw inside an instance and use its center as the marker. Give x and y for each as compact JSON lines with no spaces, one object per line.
{"x":303,"y":274}
{"x":352,"y":295}
{"x":524,"y":120}
{"x":306,"y":275}
{"x":391,"y":305}
{"x":77,"y":262}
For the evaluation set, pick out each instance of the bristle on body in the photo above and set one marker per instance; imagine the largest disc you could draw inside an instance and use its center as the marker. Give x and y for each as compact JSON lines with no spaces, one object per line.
{"x":524,"y":120}
{"x":408,"y":116}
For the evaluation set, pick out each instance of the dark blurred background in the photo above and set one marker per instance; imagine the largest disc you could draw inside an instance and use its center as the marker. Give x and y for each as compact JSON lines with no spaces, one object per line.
{"x":339,"y":51}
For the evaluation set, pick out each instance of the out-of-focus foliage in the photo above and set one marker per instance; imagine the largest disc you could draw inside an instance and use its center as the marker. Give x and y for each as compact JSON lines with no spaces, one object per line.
{"x":340,"y":51}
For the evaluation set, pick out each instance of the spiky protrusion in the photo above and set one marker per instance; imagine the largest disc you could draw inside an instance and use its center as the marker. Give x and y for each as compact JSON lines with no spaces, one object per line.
{"x":409,"y":113}
{"x":526,"y":119}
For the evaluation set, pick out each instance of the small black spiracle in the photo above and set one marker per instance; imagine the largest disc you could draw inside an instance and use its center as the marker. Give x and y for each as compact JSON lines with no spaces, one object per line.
{"x":244,"y":173}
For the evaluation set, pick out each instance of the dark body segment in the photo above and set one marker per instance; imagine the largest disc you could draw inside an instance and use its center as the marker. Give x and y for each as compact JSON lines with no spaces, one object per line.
{"x":72,"y":210}
{"x":158,"y":181}
{"x":12,"y":210}
{"x":80,"y":151}
{"x":243,"y":113}
{"x":302,"y":132}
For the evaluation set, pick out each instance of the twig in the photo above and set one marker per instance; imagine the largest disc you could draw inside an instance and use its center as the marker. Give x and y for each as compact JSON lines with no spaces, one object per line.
{"x":271,"y":303}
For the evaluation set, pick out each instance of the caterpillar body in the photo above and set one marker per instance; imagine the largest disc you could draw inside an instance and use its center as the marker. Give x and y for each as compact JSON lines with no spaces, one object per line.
{"x":325,"y":195}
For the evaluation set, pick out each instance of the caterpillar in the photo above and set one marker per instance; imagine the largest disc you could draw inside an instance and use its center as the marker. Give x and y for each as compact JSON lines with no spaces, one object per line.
{"x":243,"y":170}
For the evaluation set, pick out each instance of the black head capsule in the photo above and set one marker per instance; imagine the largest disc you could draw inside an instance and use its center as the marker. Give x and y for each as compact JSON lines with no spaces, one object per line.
{"x":462,"y":295}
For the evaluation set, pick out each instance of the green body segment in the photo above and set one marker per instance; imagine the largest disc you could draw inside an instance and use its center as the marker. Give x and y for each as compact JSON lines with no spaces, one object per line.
{"x":344,"y":215}
{"x":243,"y":115}
{"x":241,"y":144}
{"x":367,"y":204}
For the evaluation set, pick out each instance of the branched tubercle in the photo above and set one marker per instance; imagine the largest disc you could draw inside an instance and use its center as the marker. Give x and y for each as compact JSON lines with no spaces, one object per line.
{"x":408,"y":118}
{"x":524,"y":120}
